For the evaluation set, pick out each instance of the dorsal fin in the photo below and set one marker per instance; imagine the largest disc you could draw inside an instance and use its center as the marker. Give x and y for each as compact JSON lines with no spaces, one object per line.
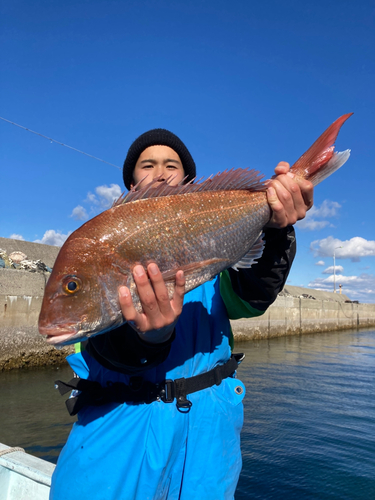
{"x":229,"y":180}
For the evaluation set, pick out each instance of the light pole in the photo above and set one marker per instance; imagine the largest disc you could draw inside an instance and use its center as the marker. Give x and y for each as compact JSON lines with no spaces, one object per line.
{"x":334,"y":269}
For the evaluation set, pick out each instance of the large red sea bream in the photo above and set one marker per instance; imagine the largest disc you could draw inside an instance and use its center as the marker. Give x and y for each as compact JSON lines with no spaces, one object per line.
{"x":201,"y":228}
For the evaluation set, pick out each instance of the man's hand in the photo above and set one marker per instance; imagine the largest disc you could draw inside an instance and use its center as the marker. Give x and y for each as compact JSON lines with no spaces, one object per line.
{"x":289,"y":197}
{"x":155,"y":324}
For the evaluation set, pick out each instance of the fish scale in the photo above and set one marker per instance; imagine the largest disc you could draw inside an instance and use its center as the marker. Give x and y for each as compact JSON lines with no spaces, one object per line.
{"x":204,"y":227}
{"x":201,"y":228}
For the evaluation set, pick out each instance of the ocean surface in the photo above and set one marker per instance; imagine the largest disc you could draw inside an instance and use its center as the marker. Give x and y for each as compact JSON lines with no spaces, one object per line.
{"x":309,"y":426}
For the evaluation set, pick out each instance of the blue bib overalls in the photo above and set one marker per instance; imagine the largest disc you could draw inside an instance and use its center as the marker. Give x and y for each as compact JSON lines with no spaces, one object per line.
{"x":154,"y":451}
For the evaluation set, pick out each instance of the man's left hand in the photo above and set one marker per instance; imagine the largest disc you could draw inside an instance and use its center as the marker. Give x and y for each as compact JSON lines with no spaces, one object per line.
{"x":289,"y":197}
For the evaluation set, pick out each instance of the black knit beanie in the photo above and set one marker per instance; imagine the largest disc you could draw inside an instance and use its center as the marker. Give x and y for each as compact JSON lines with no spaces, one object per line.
{"x":157,"y":137}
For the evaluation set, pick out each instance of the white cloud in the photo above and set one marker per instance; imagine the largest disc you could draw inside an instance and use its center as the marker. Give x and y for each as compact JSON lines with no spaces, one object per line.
{"x":108,"y":194}
{"x":353,"y":249}
{"x":312,"y":225}
{"x":91,"y":198}
{"x":103,"y":199}
{"x":79,"y":213}
{"x":360,"y":288}
{"x":319,"y":263}
{"x":52,"y":237}
{"x":329,"y":270}
{"x":326,"y":210}
{"x":16,"y":237}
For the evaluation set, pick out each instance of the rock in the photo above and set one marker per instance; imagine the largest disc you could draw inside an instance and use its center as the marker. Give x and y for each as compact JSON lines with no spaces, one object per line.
{"x":34,"y":266}
{"x":5,"y":258}
{"x":19,"y":260}
{"x":17,"y":257}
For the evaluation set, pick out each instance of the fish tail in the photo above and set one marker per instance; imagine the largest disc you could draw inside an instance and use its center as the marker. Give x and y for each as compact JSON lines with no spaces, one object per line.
{"x":321,"y":160}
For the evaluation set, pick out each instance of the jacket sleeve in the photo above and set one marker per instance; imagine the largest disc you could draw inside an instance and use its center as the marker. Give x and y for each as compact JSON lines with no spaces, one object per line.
{"x":122,"y":350}
{"x":249,"y":292}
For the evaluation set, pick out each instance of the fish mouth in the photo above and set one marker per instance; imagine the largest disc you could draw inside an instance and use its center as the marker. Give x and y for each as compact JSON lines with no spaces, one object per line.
{"x":59,"y":339}
{"x":58,"y":335}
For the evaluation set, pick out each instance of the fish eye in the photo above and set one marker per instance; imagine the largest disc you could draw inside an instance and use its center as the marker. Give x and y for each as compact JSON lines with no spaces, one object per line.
{"x":71,"y":284}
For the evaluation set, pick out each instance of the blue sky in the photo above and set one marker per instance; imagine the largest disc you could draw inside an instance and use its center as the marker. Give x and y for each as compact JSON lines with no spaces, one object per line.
{"x":244,"y":84}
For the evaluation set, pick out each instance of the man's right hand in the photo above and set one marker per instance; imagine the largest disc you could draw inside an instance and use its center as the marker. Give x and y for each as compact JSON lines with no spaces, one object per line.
{"x":156,"y":323}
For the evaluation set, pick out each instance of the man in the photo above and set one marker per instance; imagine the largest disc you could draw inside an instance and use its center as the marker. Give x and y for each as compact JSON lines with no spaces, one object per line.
{"x":171,"y":429}
{"x":288,"y":200}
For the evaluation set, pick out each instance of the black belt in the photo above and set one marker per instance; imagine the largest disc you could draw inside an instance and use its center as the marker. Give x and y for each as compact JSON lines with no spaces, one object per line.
{"x":142,"y":391}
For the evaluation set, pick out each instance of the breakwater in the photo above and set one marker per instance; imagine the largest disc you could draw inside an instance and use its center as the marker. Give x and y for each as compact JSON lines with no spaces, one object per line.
{"x":296,"y":311}
{"x":294,"y":314}
{"x":21,"y":294}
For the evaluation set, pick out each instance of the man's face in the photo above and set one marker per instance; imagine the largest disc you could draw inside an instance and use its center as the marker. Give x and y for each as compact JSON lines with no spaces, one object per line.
{"x":158,"y":161}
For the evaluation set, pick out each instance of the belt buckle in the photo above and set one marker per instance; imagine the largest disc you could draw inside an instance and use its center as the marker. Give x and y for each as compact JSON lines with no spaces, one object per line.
{"x":239,"y":357}
{"x":167,"y":394}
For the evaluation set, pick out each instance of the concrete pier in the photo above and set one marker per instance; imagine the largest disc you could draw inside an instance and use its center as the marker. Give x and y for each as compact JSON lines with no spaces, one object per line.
{"x":21,"y":294}
{"x":293,"y":314}
{"x":296,"y":311}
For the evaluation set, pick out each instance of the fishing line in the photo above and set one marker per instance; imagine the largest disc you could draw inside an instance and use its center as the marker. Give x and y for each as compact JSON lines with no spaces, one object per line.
{"x":61,"y":144}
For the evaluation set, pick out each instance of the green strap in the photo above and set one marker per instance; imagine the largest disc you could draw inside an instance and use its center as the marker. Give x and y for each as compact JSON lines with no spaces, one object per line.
{"x":236,"y":307}
{"x":78,"y":347}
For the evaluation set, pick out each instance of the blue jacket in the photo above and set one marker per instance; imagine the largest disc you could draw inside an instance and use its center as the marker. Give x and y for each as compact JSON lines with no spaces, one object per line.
{"x":154,"y":451}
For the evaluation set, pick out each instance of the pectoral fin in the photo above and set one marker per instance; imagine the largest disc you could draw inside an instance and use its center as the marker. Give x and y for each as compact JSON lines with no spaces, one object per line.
{"x":252,"y":255}
{"x":170,"y":275}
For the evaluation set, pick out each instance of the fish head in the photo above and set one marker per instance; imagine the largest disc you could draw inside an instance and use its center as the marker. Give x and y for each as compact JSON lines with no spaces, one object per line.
{"x":80,"y":298}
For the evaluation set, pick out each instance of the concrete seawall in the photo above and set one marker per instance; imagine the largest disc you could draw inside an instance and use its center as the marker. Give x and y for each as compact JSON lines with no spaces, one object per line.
{"x":291,"y":315}
{"x":21,"y":294}
{"x":295,"y":311}
{"x":34,"y":251}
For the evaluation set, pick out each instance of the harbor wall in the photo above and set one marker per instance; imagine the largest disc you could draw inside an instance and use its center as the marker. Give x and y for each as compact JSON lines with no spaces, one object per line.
{"x":21,"y":292}
{"x":34,"y":251}
{"x":21,"y":295}
{"x":296,"y":311}
{"x":290,"y":315}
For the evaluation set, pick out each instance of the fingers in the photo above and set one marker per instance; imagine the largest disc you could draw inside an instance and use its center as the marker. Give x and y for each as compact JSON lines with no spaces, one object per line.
{"x":153,"y":293}
{"x":127,"y":307}
{"x":289,"y":197}
{"x":158,"y":310}
{"x":161,"y":311}
{"x":178,"y":297}
{"x":278,"y":214}
{"x":307,"y":190}
{"x":282,"y":167}
{"x":306,"y":187}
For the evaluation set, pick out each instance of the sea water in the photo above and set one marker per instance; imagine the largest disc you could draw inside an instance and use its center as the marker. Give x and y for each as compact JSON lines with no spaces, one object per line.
{"x":309,"y":424}
{"x":309,"y":429}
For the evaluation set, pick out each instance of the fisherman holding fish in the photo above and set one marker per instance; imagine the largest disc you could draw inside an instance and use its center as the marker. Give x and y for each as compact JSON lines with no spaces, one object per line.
{"x":158,"y":401}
